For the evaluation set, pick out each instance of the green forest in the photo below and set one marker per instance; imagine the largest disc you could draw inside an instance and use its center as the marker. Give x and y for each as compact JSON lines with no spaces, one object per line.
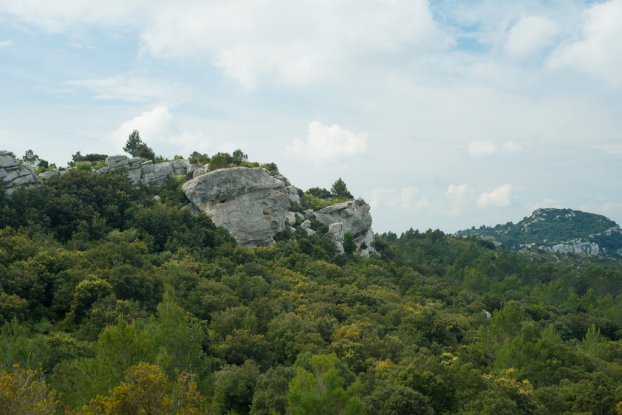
{"x":115,"y":299}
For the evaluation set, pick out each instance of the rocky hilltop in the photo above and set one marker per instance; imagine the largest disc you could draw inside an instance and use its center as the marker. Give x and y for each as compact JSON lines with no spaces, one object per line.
{"x":564,"y":231}
{"x":14,"y":174}
{"x":254,"y":205}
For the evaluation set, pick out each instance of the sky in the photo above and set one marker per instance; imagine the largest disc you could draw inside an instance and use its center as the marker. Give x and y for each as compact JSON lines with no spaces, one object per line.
{"x":441,"y":114}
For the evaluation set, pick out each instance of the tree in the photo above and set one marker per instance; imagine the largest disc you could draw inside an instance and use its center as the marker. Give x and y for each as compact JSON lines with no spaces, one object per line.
{"x":198,"y":158}
{"x":220,"y":161}
{"x":322,"y":390}
{"x":144,"y":391}
{"x":21,"y":393}
{"x":238,"y":157}
{"x":137,"y":148}
{"x":340,"y":189}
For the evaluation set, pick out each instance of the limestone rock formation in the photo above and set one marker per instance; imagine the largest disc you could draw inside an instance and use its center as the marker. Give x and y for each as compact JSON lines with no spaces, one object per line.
{"x":248,"y":202}
{"x":352,"y":218}
{"x":13,"y":175}
{"x":146,"y":172}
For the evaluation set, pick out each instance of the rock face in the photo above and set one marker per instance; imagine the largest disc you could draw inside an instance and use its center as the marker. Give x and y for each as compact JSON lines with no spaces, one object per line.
{"x":254,"y":206}
{"x":352,"y":218}
{"x":146,"y":172}
{"x":250,"y":203}
{"x":13,"y":175}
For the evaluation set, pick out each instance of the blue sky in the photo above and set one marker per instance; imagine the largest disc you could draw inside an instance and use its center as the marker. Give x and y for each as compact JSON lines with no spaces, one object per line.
{"x":442,"y":114}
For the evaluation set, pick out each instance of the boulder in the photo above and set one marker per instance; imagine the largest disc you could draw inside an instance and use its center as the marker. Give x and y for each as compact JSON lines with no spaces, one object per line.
{"x":180,"y":167}
{"x":294,"y":194}
{"x":248,"y":202}
{"x":6,"y":160}
{"x":47,"y":174}
{"x":13,"y":175}
{"x":117,"y":162}
{"x":351,"y":217}
{"x":290,"y":218}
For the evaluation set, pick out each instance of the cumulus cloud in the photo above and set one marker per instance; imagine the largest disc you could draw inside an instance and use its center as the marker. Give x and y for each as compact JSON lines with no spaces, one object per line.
{"x":530,"y":35}
{"x":328,"y":143}
{"x":481,"y":148}
{"x":458,"y":196}
{"x":245,"y":37}
{"x":5,"y":43}
{"x":597,"y":52}
{"x":488,"y":148}
{"x":154,"y":125}
{"x":406,"y":198}
{"x":499,"y":197}
{"x":160,"y":130}
{"x":126,"y":88}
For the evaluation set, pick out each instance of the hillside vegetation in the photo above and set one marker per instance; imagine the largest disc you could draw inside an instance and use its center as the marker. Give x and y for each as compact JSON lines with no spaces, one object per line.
{"x":546,"y":228}
{"x":114,"y":301}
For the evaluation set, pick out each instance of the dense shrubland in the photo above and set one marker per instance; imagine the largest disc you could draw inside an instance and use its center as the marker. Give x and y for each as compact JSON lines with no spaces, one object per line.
{"x":113,"y":301}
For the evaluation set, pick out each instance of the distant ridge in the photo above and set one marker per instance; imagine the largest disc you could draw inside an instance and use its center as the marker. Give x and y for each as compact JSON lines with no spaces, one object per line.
{"x":565,"y":231}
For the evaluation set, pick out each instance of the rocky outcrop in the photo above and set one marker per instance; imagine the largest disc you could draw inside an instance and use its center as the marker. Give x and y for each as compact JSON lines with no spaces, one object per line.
{"x":254,"y":206}
{"x":14,"y":175}
{"x":145,"y":171}
{"x":349,"y":218}
{"x":577,"y":247}
{"x":250,"y":203}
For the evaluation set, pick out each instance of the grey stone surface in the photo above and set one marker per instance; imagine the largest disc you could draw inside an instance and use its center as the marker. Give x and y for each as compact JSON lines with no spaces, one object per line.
{"x":198,"y":172}
{"x":47,"y":174}
{"x":354,"y":218}
{"x":116,"y":162}
{"x":7,"y":160}
{"x":249,"y":203}
{"x":13,"y":175}
{"x":293,"y":194}
{"x":180,"y":167}
{"x":290,"y":218}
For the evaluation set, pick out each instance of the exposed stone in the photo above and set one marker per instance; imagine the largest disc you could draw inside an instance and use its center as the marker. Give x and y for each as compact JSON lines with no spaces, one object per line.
{"x":116,"y":162}
{"x":578,"y":248}
{"x":134,"y":175}
{"x":354,"y":218}
{"x":294,"y":194}
{"x":290,"y":218}
{"x":13,"y":175}
{"x":162,"y":171}
{"x":47,"y":174}
{"x":6,"y":160}
{"x":180,"y":167}
{"x":249,"y":203}
{"x":198,"y":172}
{"x":145,"y":171}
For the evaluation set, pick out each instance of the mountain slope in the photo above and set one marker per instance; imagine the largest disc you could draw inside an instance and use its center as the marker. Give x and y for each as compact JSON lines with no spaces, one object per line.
{"x":557,"y":230}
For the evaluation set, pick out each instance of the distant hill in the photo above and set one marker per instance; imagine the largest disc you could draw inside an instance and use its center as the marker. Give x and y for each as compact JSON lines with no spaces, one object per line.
{"x":557,"y":230}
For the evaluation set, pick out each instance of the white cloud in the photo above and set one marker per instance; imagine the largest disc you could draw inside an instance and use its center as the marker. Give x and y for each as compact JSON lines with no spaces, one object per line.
{"x":407,"y":198}
{"x":598,"y":51}
{"x":161,"y":131}
{"x":530,"y":35}
{"x":488,"y":148}
{"x":245,"y":38}
{"x":500,"y":197}
{"x":126,"y":88}
{"x":328,"y":143}
{"x":481,"y":148}
{"x":154,"y":126}
{"x":5,"y":43}
{"x":458,"y":196}
{"x":57,"y":15}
